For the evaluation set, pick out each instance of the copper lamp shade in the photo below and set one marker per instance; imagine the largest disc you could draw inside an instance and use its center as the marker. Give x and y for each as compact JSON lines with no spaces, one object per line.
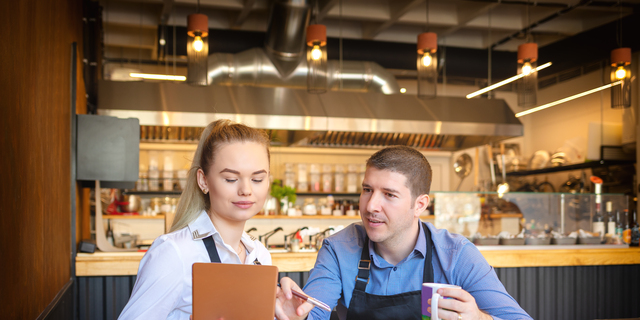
{"x":527,"y":86}
{"x":621,"y":71}
{"x":197,"y":49}
{"x":427,"y":64}
{"x":316,"y":58}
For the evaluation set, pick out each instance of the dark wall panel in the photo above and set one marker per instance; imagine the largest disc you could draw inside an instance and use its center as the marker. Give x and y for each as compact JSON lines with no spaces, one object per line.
{"x":35,"y":139}
{"x":579,"y":293}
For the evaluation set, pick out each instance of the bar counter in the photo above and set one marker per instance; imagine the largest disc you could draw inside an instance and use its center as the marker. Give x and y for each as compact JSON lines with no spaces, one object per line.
{"x":126,"y":263}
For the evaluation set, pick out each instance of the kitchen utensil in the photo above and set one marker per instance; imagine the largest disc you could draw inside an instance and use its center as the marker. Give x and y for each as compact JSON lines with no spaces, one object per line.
{"x":462,"y":167}
{"x":504,"y":186}
{"x":129,"y":203}
{"x":539,"y":160}
{"x":491,"y":167}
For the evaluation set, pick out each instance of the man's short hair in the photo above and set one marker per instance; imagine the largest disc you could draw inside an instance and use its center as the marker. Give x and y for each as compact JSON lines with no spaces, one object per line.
{"x":407,"y":161}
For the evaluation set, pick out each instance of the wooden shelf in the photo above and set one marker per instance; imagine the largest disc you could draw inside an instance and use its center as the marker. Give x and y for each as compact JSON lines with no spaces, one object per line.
{"x":356,"y":217}
{"x":117,"y":216}
{"x":334,"y":194}
{"x":585,"y":165}
{"x":152,"y":193}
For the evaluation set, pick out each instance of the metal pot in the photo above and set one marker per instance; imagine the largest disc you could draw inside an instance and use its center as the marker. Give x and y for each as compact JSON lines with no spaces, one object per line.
{"x":129,"y":203}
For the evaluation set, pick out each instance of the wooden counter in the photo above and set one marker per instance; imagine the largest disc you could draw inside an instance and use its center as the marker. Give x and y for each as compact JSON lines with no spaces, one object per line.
{"x":126,"y":263}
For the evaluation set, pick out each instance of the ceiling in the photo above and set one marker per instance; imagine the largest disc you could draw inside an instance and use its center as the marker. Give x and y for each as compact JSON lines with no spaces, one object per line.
{"x":130,"y":27}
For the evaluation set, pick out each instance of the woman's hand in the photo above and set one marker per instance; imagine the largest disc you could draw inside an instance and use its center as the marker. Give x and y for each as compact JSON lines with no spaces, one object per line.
{"x":462,"y":306}
{"x":289,"y":307}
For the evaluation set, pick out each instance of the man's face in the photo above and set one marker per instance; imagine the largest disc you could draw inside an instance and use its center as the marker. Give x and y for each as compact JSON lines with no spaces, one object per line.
{"x":386,"y":207}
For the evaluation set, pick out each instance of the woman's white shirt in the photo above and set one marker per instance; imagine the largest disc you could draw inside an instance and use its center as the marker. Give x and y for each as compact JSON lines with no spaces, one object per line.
{"x":163,"y":286}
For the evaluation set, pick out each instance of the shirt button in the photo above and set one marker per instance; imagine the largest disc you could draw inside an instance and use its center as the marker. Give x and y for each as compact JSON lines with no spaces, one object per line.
{"x":395,"y":268}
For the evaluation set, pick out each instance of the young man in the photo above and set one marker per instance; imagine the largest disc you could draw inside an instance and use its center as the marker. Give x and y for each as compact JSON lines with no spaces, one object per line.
{"x":376,"y":268}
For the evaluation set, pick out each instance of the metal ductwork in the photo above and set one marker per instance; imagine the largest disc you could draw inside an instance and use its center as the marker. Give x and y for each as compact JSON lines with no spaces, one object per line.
{"x":282,"y":62}
{"x":266,"y":88}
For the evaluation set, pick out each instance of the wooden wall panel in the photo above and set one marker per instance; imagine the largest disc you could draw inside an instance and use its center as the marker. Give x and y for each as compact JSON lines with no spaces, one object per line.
{"x":35,"y":215}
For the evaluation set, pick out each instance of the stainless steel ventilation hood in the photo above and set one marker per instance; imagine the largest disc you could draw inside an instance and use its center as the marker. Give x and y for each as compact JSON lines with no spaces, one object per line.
{"x":335,"y":118}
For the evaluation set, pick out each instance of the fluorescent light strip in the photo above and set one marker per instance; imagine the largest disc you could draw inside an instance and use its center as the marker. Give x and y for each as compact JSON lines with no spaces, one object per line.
{"x":503,"y":82}
{"x":157,"y":76}
{"x":551,"y":104}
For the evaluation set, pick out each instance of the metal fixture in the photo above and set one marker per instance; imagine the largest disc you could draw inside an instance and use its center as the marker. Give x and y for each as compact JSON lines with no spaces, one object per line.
{"x":527,"y":86}
{"x":197,"y":48}
{"x":290,"y":236}
{"x":621,"y":71}
{"x":317,"y":58}
{"x":294,"y":117}
{"x":427,"y":62}
{"x":268,"y":235}
{"x":282,"y":62}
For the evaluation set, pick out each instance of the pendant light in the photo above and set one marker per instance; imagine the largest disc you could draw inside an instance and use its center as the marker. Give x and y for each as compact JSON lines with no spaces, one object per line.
{"x":197,"y":48}
{"x":427,"y":62}
{"x":317,"y":58}
{"x":527,"y":86}
{"x":621,"y":70}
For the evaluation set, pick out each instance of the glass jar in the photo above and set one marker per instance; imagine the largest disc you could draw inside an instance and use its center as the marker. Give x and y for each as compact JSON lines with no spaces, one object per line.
{"x":339,"y":178}
{"x":326,"y":178}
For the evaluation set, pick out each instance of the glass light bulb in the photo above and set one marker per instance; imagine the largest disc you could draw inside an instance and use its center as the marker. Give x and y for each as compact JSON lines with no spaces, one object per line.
{"x":198,"y":44}
{"x":621,"y":73}
{"x":316,"y":53}
{"x":526,"y":68}
{"x":426,"y":60}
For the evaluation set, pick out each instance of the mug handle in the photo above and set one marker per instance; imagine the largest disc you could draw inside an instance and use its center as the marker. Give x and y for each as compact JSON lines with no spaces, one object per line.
{"x":434,"y":306}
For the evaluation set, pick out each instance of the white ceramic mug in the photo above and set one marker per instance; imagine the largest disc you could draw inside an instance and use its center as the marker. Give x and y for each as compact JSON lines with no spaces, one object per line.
{"x":429,"y":291}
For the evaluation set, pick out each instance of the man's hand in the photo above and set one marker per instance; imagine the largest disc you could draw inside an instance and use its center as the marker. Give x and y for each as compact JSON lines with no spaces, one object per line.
{"x":289,"y":307}
{"x":462,"y":306}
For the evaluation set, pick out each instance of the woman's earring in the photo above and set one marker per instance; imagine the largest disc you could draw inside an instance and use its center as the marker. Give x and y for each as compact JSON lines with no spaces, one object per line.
{"x":205,"y":191}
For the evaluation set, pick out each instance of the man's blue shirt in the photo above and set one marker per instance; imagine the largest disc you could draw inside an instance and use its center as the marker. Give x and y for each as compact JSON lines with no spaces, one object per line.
{"x":455,"y":261}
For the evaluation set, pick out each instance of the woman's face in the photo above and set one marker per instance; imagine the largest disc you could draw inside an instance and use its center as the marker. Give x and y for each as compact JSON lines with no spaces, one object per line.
{"x":238,"y":180}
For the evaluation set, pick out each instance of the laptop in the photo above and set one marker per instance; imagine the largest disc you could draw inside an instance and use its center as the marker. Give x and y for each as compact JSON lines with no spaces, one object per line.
{"x":234,"y":291}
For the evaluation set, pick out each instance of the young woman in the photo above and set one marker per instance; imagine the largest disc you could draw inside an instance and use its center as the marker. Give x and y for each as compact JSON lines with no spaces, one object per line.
{"x":227,"y":185}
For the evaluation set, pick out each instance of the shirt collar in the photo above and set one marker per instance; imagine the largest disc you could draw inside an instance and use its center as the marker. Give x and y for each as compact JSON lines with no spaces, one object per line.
{"x":202,"y":227}
{"x":420,"y":247}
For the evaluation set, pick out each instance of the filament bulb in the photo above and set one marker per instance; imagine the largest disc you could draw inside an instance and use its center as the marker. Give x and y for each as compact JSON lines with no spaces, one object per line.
{"x":426,"y":60}
{"x":526,"y":68}
{"x":198,"y":44}
{"x":621,"y":73}
{"x":316,"y":53}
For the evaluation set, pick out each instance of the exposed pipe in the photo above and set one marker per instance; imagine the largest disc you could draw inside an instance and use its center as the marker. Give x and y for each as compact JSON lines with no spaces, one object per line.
{"x":282,"y":61}
{"x":526,"y":29}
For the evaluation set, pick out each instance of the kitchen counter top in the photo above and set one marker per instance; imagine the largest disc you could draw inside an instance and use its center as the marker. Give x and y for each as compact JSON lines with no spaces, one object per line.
{"x":126,"y":263}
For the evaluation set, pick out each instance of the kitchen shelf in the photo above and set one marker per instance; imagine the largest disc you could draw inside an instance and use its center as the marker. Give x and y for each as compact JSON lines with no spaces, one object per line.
{"x":335,"y":194}
{"x":303,"y":217}
{"x":318,"y":216}
{"x":117,"y":216}
{"x":152,"y":193}
{"x":585,"y":165}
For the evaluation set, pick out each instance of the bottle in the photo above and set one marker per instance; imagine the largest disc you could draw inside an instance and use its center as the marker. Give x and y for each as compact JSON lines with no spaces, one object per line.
{"x":598,"y":219}
{"x":611,"y":222}
{"x":635,"y":231}
{"x":619,"y":226}
{"x":626,"y":229}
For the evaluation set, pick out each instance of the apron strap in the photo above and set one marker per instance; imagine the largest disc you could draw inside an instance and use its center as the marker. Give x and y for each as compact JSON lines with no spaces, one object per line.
{"x":211,"y":249}
{"x":364,"y":265}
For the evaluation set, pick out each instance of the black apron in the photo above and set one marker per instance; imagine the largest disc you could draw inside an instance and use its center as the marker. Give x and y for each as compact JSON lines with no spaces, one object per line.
{"x":213,"y":251}
{"x":406,"y":305}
